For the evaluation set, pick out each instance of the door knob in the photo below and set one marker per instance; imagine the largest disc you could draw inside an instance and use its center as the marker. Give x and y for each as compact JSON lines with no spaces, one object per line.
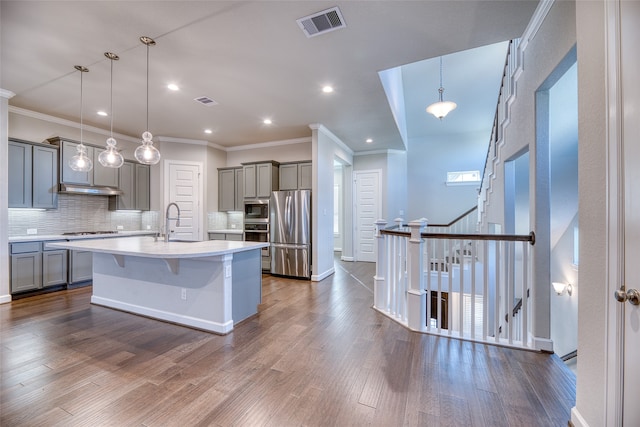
{"x":632,"y":295}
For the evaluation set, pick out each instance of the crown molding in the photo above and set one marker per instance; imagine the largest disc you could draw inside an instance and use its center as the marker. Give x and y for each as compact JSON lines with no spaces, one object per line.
{"x":4,"y":93}
{"x":191,"y":142}
{"x":321,"y":128}
{"x":306,"y":139}
{"x":383,"y":151}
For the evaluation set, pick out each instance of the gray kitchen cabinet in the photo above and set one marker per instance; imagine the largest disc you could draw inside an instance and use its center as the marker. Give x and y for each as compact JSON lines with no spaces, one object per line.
{"x":103,"y":176}
{"x":54,"y":267}
{"x":239,"y":206}
{"x":237,"y":237}
{"x":226,"y":189}
{"x":295,"y":176}
{"x":260,"y":179}
{"x":80,"y":266}
{"x":33,"y":175}
{"x":26,"y":266}
{"x":134,"y":181}
{"x":68,"y":175}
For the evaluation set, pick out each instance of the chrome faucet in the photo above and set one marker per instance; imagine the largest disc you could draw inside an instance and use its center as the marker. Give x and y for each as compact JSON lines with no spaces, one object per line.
{"x":168,"y":218}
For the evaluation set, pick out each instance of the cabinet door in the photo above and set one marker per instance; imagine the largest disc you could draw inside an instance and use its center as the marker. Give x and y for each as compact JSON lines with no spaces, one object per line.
{"x":81,"y":266}
{"x":143,"y":187}
{"x":233,"y":237}
{"x":264,"y":180}
{"x":45,"y":177}
{"x":216,"y":236}
{"x":20,"y":175}
{"x":289,"y":177}
{"x":226,"y":190}
{"x":68,"y":175}
{"x":54,"y":268}
{"x":304,"y":176}
{"x":249,"y":184}
{"x":102,"y":175}
{"x":26,"y":271}
{"x":239,"y":199}
{"x":126,"y":183}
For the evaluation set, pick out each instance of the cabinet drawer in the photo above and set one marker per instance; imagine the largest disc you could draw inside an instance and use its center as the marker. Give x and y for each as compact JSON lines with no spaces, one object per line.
{"x":216,"y":236}
{"x":45,"y":245}
{"x":234,"y":237}
{"x":25,"y":247}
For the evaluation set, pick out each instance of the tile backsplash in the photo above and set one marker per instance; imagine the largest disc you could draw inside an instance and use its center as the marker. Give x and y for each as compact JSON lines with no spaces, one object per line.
{"x":79,"y":213}
{"x":225,"y":220}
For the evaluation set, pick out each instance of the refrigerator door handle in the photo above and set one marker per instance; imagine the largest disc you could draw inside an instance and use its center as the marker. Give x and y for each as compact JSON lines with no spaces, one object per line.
{"x":289,"y":246}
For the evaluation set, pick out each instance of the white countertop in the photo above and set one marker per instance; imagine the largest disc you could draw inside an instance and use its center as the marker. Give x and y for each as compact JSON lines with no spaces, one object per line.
{"x":227,"y":231}
{"x":149,"y":248}
{"x":49,"y":237}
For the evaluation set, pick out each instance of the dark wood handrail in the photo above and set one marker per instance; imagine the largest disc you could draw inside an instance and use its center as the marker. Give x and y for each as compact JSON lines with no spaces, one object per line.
{"x":455,"y":220}
{"x":531,"y":237}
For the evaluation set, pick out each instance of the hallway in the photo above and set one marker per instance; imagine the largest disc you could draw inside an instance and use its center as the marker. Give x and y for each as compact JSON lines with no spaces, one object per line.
{"x":315,"y":355}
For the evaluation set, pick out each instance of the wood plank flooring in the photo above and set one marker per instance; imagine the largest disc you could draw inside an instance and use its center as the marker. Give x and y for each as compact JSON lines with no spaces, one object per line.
{"x":315,"y":355}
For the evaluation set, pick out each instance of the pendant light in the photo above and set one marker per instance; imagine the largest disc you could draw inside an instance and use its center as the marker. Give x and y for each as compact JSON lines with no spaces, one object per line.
{"x":441,"y":108}
{"x":81,"y":162}
{"x":147,"y":153}
{"x":111,"y":157}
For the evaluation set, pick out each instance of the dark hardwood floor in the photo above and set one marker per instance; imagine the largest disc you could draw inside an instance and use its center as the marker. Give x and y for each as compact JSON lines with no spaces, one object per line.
{"x":315,"y":355}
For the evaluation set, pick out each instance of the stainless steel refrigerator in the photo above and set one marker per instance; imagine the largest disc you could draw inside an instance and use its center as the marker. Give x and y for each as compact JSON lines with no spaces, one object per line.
{"x":290,"y":218}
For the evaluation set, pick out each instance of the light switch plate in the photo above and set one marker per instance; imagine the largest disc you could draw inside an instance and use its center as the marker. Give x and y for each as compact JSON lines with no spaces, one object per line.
{"x":120,"y":227}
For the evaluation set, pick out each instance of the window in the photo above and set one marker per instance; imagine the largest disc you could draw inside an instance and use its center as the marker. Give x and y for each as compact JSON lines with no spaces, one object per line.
{"x":463,"y":178}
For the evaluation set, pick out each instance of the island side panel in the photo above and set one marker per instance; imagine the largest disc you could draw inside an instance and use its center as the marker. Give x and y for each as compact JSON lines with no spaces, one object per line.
{"x":199,"y":295}
{"x":247,"y":284}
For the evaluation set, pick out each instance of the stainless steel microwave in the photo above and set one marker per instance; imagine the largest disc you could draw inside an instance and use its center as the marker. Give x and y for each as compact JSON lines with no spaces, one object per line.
{"x":256,"y":210}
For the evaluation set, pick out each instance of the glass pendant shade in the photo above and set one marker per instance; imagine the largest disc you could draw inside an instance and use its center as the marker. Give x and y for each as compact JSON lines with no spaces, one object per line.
{"x":441,"y":108}
{"x":111,"y":157}
{"x":81,"y":162}
{"x":146,"y":153}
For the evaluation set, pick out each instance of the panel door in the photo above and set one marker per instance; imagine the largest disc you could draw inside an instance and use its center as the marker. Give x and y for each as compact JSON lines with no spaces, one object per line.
{"x":26,"y":271}
{"x":249,"y":182}
{"x":305,"y":172}
{"x":45,"y":177}
{"x":142,"y":187}
{"x":20,"y":175}
{"x":239,"y":189}
{"x":81,"y":266}
{"x":184,"y":189}
{"x":226,"y":190}
{"x":289,"y":177}
{"x":266,"y":175}
{"x":368,"y":210}
{"x":126,"y":183}
{"x":54,"y":268}
{"x":68,"y":175}
{"x":102,"y":175}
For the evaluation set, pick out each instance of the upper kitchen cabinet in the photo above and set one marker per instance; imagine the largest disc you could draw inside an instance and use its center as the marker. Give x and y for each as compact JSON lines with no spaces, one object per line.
{"x":33,"y":175}
{"x":133,"y":181}
{"x":260,"y":179}
{"x":295,"y":176}
{"x":230,"y":189}
{"x":98,"y":175}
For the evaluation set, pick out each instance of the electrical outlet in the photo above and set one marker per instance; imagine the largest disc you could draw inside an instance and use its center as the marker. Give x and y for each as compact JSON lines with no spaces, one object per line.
{"x":32,"y":231}
{"x":233,"y":226}
{"x":120,"y":227}
{"x":148,"y":227}
{"x":184,"y":294}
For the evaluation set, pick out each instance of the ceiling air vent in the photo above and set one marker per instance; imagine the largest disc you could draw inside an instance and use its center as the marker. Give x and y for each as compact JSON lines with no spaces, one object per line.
{"x":322,"y":22}
{"x":205,"y":100}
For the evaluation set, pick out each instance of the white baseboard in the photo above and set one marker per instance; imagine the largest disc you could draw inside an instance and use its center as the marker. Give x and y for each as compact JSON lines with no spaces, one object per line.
{"x":346,"y":258}
{"x":319,"y":277}
{"x":5,"y":299}
{"x":576,"y":418}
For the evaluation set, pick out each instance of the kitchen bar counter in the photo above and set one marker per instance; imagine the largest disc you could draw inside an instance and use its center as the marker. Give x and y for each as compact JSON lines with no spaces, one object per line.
{"x":49,"y":237}
{"x":207,"y":285}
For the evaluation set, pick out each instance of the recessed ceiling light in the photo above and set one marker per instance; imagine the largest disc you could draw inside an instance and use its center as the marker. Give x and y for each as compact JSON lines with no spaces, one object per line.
{"x":102,"y":113}
{"x":267,"y":121}
{"x":208,"y":131}
{"x":369,"y":141}
{"x":172,"y":86}
{"x":327,"y":89}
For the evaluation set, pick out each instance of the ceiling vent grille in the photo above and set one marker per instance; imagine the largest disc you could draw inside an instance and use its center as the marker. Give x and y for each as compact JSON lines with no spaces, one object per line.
{"x":205,"y":100}
{"x":322,"y":22}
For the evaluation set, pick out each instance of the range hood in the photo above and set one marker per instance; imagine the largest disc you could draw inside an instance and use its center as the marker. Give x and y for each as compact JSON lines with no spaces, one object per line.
{"x":90,"y":190}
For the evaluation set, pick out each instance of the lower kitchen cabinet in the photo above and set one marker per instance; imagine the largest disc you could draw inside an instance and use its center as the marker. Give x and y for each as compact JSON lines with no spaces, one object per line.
{"x":80,"y":266}
{"x":54,"y":267}
{"x":226,"y":236}
{"x":34,"y":267}
{"x":26,"y":271}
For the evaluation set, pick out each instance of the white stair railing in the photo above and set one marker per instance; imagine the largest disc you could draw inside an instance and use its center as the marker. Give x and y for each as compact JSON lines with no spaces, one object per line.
{"x":469,"y":286}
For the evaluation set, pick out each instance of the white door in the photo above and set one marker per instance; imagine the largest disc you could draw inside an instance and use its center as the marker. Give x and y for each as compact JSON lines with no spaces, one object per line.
{"x":184,"y":188}
{"x":630,"y":63}
{"x":367,"y":211}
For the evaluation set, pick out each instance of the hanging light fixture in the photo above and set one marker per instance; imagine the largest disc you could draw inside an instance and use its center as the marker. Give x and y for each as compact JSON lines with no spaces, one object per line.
{"x":147,"y":153}
{"x":441,"y":108}
{"x":81,"y":162}
{"x":111,"y":157}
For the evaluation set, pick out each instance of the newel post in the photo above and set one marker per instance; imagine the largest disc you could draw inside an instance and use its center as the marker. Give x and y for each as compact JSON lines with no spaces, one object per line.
{"x":380,"y":287}
{"x":416,"y":295}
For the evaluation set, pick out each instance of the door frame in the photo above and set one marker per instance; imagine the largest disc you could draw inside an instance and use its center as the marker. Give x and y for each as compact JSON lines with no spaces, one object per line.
{"x":355,"y":206}
{"x":614,"y":330}
{"x":167,"y":184}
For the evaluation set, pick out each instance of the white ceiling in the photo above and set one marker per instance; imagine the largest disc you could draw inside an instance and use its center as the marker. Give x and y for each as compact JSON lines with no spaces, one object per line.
{"x":253,"y":59}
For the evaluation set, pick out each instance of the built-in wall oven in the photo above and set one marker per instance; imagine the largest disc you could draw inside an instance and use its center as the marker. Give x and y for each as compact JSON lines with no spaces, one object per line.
{"x":256,"y":227}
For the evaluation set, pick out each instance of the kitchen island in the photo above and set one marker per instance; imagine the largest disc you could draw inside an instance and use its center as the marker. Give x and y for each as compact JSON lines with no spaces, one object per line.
{"x":208,"y":285}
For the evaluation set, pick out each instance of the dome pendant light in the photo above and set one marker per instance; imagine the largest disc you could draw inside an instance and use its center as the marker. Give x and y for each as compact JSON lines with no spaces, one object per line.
{"x":441,"y":108}
{"x":111,"y":157}
{"x":147,"y":153}
{"x":81,"y":162}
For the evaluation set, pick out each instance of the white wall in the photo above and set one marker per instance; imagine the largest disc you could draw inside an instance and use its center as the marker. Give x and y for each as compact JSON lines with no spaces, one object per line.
{"x":427,"y":167}
{"x":5,"y":291}
{"x":280,"y":152}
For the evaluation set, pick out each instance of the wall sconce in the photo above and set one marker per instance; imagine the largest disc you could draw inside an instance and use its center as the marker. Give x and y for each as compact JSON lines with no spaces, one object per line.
{"x":560,"y":287}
